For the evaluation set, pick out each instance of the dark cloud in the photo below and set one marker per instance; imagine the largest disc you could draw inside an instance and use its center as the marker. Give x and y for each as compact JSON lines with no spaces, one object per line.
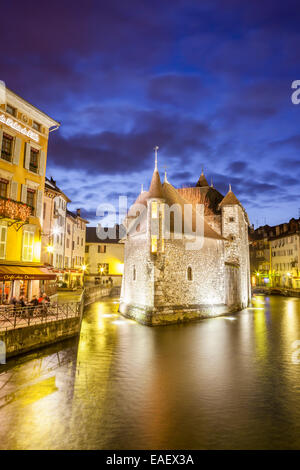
{"x":209,"y":82}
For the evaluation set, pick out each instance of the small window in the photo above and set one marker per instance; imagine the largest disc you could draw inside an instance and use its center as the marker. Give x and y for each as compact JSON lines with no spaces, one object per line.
{"x":231,"y":238}
{"x":154,"y":210}
{"x":30,"y":197}
{"x":77,"y":240}
{"x":3,"y":187}
{"x":11,"y":110}
{"x":231,"y":219}
{"x":82,"y":242}
{"x":101,"y":248}
{"x":87,"y":248}
{"x":189,"y":274}
{"x":3,"y":235}
{"x":154,"y":244}
{"x":133,"y":273}
{"x":34,"y":160}
{"x":27,"y":251}
{"x":36,"y":126}
{"x":7,"y":146}
{"x":68,"y":243}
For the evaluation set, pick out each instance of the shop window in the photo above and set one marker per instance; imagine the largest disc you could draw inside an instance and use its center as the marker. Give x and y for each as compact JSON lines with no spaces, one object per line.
{"x":3,"y":187}
{"x":34,"y":160}
{"x":7,"y":147}
{"x":3,"y":235}
{"x":30,"y":197}
{"x":189,"y":274}
{"x":28,"y":240}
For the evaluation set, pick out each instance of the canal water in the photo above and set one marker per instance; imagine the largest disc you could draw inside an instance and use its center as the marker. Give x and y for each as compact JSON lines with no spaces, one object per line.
{"x":223,"y":383}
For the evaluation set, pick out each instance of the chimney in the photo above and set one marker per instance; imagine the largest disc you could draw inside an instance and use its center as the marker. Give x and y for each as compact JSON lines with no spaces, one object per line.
{"x":78,"y":212}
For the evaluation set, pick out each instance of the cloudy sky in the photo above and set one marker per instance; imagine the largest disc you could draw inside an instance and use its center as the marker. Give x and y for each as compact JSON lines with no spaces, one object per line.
{"x":208,"y":81}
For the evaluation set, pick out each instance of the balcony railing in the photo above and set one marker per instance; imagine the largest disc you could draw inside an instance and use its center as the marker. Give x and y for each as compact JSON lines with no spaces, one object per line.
{"x":12,"y":317}
{"x":14,"y":210}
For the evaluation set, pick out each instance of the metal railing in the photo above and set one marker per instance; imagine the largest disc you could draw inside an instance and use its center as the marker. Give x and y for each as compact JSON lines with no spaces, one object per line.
{"x":12,"y":317}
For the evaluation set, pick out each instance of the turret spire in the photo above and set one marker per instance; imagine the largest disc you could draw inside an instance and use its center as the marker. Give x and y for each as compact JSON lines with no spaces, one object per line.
{"x":166,"y":179}
{"x":229,"y":187}
{"x":211,"y":183}
{"x":155,"y":152}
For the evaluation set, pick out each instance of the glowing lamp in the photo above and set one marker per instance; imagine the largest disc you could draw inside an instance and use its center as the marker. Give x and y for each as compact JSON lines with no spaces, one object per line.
{"x":50,"y":249}
{"x":83,"y":267}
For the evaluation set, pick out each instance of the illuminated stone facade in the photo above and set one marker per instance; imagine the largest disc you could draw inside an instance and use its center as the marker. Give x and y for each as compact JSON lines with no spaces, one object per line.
{"x":169,"y":280}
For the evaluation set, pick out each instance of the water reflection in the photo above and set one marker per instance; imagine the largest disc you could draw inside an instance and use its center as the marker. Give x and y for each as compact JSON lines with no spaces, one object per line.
{"x":227,"y":382}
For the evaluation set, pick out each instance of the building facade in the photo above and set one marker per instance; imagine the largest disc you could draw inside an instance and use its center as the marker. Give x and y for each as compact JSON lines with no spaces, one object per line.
{"x":54,"y":228}
{"x":167,"y":277}
{"x":75,"y":249}
{"x":24,"y":133}
{"x":275,"y":255}
{"x":104,"y":258}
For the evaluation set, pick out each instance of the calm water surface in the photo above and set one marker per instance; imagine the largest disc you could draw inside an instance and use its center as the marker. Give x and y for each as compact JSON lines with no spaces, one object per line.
{"x":220,"y":383}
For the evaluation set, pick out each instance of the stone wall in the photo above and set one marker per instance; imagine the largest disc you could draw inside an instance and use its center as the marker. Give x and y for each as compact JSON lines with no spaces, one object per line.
{"x":22,"y":340}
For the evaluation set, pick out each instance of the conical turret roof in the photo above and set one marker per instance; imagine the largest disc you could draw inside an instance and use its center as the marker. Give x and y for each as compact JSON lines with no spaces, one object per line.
{"x":155,"y":190}
{"x":202,"y":181}
{"x":229,"y":199}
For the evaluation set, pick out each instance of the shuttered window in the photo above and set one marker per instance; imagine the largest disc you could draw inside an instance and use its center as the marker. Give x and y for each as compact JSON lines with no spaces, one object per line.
{"x":28,"y":239}
{"x":3,"y":235}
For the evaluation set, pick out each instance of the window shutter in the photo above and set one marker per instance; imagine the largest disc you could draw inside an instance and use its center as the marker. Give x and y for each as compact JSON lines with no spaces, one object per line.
{"x":24,"y":193}
{"x":17,"y":151}
{"x":27,"y":156}
{"x":14,"y":190}
{"x":1,"y":137}
{"x":42,"y":163}
{"x":39,"y":204}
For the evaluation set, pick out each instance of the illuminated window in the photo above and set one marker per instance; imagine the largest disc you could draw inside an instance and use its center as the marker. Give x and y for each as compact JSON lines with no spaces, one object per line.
{"x":189,"y":274}
{"x":134,"y":273}
{"x":101,"y":248}
{"x":27,"y":252}
{"x":154,"y":244}
{"x":3,"y":234}
{"x":154,"y":210}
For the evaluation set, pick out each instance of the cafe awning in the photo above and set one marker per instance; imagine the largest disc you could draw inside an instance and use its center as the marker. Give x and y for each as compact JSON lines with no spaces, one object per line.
{"x":25,"y":273}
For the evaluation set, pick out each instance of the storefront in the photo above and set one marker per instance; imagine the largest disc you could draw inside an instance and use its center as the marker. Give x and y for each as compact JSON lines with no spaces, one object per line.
{"x":17,"y":281}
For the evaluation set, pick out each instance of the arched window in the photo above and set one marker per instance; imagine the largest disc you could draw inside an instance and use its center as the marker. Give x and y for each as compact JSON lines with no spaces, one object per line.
{"x":189,"y":274}
{"x":134,"y":273}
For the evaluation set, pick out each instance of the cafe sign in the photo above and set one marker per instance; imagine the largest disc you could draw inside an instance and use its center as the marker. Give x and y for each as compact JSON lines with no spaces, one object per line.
{"x":17,"y":127}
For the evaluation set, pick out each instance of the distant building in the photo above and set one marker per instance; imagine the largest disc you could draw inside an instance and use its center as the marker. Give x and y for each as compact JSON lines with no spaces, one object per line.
{"x":164,"y":281}
{"x":74,"y":249}
{"x":54,"y":227}
{"x":275,"y":255}
{"x":24,"y":133}
{"x":104,"y":258}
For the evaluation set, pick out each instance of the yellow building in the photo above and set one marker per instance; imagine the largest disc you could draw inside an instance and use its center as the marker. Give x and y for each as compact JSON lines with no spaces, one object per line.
{"x":104,"y":258}
{"x":24,"y":133}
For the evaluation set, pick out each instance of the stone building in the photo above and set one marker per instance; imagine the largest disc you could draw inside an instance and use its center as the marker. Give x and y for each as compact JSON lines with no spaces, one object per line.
{"x":104,"y":258}
{"x":174,"y":271}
